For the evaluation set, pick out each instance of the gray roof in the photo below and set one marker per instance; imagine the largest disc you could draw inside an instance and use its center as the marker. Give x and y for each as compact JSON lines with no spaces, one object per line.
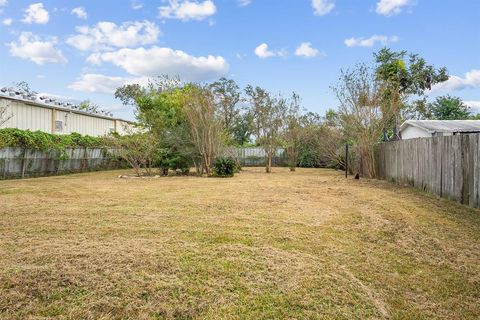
{"x":47,"y":106}
{"x":433,"y":126}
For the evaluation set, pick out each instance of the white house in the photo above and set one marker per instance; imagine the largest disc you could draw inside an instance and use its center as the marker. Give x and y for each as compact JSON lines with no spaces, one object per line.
{"x":34,"y":113}
{"x":411,"y":129}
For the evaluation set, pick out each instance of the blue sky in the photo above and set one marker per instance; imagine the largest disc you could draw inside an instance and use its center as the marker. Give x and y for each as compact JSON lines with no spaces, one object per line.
{"x":83,"y":49}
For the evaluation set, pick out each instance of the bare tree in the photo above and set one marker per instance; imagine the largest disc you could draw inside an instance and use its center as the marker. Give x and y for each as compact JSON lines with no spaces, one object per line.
{"x":205,"y":126}
{"x":360,"y":111}
{"x":268,"y":115}
{"x":293,"y":131}
{"x":4,"y":115}
{"x":24,"y":87}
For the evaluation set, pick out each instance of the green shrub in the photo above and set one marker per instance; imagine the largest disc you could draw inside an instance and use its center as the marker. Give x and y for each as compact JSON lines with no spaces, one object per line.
{"x":225,"y":167}
{"x":39,"y":140}
{"x":172,"y":159}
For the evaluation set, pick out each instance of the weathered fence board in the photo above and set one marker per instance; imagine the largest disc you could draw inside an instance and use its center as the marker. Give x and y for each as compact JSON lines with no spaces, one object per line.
{"x":447,"y":166}
{"x":23,"y":163}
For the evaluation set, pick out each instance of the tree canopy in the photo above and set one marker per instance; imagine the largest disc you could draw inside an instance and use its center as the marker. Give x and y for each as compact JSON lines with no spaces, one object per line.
{"x":402,"y":76}
{"x":449,"y":108}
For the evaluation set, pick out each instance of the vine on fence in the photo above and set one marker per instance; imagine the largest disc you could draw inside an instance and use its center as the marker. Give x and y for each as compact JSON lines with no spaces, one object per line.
{"x":38,"y":140}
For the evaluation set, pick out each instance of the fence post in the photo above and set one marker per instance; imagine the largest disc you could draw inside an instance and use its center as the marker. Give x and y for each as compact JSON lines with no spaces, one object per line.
{"x":346,"y":160}
{"x":24,"y":162}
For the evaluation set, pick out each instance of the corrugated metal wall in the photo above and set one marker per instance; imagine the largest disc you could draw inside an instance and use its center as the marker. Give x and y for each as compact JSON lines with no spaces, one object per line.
{"x":33,"y":118}
{"x":27,"y":117}
{"x":83,"y":124}
{"x":124,"y":127}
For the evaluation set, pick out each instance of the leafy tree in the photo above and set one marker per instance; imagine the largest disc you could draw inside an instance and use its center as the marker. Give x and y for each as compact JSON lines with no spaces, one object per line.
{"x":138,"y":149}
{"x":402,"y":76}
{"x":268,"y":114}
{"x":130,"y":93}
{"x":226,"y":93}
{"x":241,"y":130}
{"x":159,"y":110}
{"x":321,"y":146}
{"x":449,"y":108}
{"x":158,"y":106}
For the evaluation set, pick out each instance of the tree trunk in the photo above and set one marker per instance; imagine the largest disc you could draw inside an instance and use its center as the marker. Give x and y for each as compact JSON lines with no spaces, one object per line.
{"x":206,"y":164}
{"x":396,"y":131}
{"x":268,"y":168}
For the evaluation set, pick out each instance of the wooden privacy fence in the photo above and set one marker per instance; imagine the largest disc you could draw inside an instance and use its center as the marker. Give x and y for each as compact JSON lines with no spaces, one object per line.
{"x":447,"y":166}
{"x":22,"y":163}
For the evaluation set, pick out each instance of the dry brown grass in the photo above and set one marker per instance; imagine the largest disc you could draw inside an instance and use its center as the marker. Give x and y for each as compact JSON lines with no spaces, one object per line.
{"x":307,"y":244}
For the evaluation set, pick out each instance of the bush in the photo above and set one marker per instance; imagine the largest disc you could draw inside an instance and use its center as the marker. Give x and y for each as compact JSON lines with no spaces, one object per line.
{"x":309,"y":158}
{"x":39,"y":140}
{"x":138,"y":149}
{"x":172,"y":159}
{"x":225,"y":167}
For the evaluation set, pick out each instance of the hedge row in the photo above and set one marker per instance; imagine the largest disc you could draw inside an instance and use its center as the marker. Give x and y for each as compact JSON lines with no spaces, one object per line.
{"x":38,"y":140}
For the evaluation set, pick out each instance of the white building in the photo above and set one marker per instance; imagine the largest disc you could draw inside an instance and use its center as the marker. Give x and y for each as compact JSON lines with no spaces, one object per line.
{"x":31,"y":113}
{"x":411,"y":129}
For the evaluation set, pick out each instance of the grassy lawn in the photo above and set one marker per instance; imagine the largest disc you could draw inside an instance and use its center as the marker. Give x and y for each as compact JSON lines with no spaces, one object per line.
{"x":303,"y":245}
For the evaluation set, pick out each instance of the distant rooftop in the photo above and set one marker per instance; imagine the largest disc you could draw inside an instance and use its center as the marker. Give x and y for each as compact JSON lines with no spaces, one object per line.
{"x":17,"y":94}
{"x":433,"y":126}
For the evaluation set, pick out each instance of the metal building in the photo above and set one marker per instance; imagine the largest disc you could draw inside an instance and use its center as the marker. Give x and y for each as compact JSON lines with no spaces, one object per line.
{"x":412,"y":129}
{"x":39,"y":113}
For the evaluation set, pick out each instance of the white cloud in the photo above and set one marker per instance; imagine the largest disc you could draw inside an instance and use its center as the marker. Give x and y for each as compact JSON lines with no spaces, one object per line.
{"x":136,"y":5}
{"x":32,"y":47}
{"x":474,"y":105}
{"x":99,"y":83}
{"x":187,"y":10}
{"x":306,"y":50}
{"x":7,"y":21}
{"x":322,"y":7}
{"x":391,"y":7}
{"x":456,"y":83}
{"x":95,"y":59}
{"x":80,"y":12}
{"x":157,"y":61}
{"x":370,"y":42}
{"x":105,"y":35}
{"x":35,"y":13}
{"x":263,"y":52}
{"x":244,"y":3}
